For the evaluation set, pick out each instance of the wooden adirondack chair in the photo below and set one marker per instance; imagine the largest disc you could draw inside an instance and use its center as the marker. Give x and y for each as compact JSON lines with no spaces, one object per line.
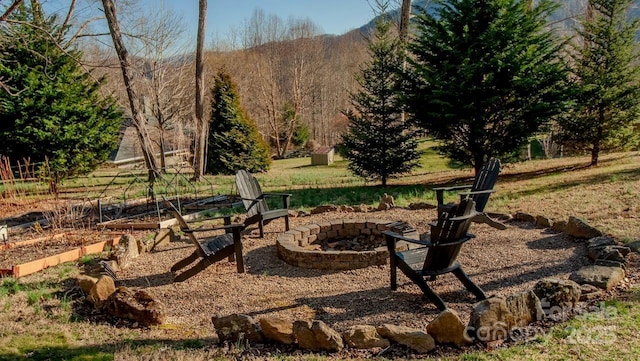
{"x":211,"y":249}
{"x":255,"y":202}
{"x":438,"y":253}
{"x":479,"y":192}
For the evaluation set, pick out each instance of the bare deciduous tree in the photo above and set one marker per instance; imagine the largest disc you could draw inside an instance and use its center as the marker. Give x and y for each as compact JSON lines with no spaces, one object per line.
{"x":139,"y":120}
{"x":201,"y":123}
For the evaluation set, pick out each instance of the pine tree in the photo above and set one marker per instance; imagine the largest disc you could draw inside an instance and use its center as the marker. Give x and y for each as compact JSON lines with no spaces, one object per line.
{"x":607,"y":80}
{"x":50,"y":109}
{"x":234,"y":140}
{"x":379,"y":143}
{"x":484,"y":75}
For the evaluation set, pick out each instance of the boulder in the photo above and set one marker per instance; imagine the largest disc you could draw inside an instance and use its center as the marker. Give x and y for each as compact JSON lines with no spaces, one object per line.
{"x":543,"y":221}
{"x":163,"y":236}
{"x":324,"y":209}
{"x":386,"y":202}
{"x":237,"y":327}
{"x":421,"y":205}
{"x":86,"y":283}
{"x":364,"y":337}
{"x":491,"y":320}
{"x":524,"y":217}
{"x":415,"y":339}
{"x":579,"y":228}
{"x":610,"y":253}
{"x":101,"y":291}
{"x":138,"y":306}
{"x":589,"y":292}
{"x":447,"y":328}
{"x":559,"y":226}
{"x":277,"y":329}
{"x":610,"y":263}
{"x":554,"y":292}
{"x":600,"y":242}
{"x":634,"y":246}
{"x":525,"y":308}
{"x":317,"y":336}
{"x":600,"y":276}
{"x":125,"y":251}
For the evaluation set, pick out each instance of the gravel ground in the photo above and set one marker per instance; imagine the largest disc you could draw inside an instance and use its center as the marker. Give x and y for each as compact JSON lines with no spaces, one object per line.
{"x":500,"y":262}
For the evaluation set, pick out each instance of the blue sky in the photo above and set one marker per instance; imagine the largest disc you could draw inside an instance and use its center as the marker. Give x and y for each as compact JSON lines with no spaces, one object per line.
{"x":333,"y":16}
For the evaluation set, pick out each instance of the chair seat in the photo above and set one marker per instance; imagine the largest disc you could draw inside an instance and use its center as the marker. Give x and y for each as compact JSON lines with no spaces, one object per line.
{"x":415,"y":260}
{"x":217,"y":243}
{"x":275,"y":213}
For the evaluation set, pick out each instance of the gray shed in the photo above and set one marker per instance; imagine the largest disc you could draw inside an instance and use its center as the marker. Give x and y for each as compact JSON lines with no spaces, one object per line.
{"x":322,"y":156}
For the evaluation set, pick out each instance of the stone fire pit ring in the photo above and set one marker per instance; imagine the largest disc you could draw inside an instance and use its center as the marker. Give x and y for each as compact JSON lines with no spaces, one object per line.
{"x":299,"y":246}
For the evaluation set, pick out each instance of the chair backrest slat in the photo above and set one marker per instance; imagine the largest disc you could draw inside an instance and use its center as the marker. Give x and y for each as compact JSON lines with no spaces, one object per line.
{"x":249,"y":188}
{"x":448,"y":236}
{"x":485,"y":180}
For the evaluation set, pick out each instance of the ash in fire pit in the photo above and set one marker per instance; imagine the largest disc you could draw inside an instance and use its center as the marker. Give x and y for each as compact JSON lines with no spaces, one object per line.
{"x":357,"y":243}
{"x":340,"y":244}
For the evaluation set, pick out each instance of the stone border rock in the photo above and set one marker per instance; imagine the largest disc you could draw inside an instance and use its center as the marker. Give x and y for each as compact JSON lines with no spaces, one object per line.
{"x":296,"y":246}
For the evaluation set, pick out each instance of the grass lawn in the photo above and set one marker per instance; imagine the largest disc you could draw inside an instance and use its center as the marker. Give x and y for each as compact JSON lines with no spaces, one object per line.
{"x":37,"y":312}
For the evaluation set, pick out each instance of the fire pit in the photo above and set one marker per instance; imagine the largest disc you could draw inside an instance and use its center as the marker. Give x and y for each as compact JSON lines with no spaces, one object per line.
{"x":340,"y":244}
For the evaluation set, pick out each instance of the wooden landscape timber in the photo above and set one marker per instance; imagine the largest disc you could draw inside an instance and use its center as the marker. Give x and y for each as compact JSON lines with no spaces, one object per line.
{"x":38,"y":265}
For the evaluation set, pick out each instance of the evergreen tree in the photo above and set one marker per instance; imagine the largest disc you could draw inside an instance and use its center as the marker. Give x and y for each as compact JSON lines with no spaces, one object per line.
{"x":379,"y":143}
{"x":484,"y":75}
{"x":234,"y":140}
{"x":606,"y":73}
{"x":50,"y":109}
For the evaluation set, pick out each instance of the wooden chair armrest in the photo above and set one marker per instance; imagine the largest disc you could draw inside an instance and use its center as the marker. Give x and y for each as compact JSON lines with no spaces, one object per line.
{"x":468,"y":193}
{"x":214,"y":228}
{"x":395,"y":237}
{"x":440,"y":191}
{"x":285,"y":198}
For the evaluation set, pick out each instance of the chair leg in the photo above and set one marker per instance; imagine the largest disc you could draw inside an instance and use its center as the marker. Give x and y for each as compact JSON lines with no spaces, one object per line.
{"x":192,"y":271}
{"x":185,"y":262}
{"x":237,"y":245}
{"x":419,"y":280}
{"x":286,"y":222}
{"x":469,"y":284}
{"x":393,"y":272}
{"x":261,"y":227}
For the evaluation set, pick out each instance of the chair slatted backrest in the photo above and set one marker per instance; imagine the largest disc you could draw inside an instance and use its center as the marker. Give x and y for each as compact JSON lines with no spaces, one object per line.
{"x":184,"y":226}
{"x":448,"y":235}
{"x":485,"y":180}
{"x":249,"y":189}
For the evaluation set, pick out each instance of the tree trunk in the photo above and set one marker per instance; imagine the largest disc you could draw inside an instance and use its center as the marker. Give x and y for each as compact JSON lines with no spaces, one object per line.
{"x":201,"y":126}
{"x":139,"y":120}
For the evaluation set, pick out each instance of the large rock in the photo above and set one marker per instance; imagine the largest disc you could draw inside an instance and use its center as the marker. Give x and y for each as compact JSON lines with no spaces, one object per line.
{"x":609,"y":253}
{"x":386,"y":202}
{"x":125,"y":251}
{"x":324,"y":209}
{"x":578,"y":228}
{"x":86,"y":283}
{"x":447,"y":328}
{"x":634,"y":246}
{"x":237,"y":327}
{"x":101,"y":291}
{"x":491,"y":320}
{"x":138,"y":306}
{"x":525,"y":308}
{"x":317,"y":336}
{"x":554,"y":292}
{"x":600,"y":276}
{"x":600,"y":242}
{"x":524,"y":217}
{"x":277,"y":329}
{"x":415,"y":339}
{"x":364,"y":337}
